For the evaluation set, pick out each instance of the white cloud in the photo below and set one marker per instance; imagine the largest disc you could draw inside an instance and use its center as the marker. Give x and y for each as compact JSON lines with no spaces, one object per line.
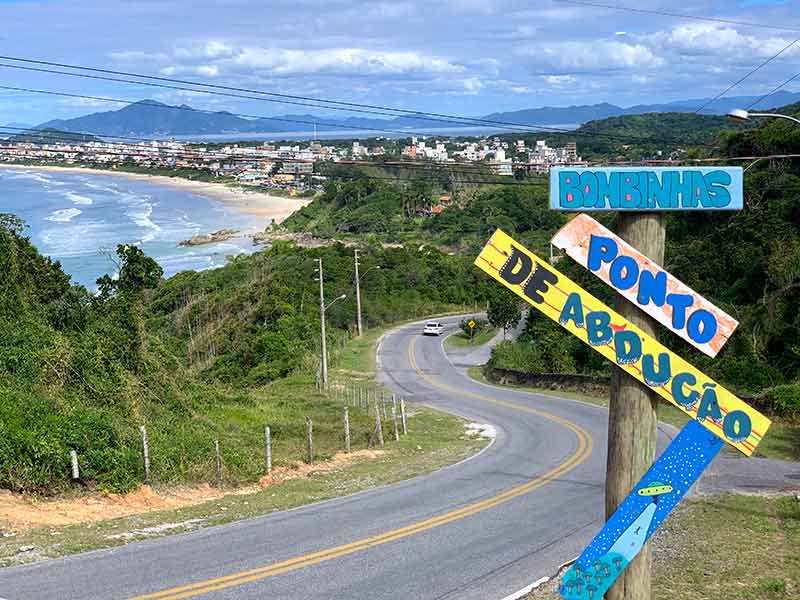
{"x":349,"y":61}
{"x":593,"y":55}
{"x":202,"y":70}
{"x":558,"y":80}
{"x":702,"y":39}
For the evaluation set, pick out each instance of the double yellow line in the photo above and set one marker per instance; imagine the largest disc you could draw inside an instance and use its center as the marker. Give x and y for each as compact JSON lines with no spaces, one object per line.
{"x":585,"y":445}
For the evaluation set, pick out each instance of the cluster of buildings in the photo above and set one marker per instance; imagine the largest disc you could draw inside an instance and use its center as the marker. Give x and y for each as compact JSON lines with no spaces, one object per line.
{"x":499,"y":156}
{"x":289,"y":166}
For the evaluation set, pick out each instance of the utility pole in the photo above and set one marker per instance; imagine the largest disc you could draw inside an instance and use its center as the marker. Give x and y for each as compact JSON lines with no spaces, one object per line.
{"x":322,"y":327}
{"x":358,"y":294}
{"x":632,"y":410}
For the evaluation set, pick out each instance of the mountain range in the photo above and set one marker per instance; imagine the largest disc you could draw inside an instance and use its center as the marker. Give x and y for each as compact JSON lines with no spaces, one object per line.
{"x":156,"y":119}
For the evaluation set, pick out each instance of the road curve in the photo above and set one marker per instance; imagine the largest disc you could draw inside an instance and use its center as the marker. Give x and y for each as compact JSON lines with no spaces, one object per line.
{"x":480,"y":529}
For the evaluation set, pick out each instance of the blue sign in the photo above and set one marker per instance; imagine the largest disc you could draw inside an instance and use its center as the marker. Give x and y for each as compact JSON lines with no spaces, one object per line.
{"x":641,"y":513}
{"x":646,"y":188}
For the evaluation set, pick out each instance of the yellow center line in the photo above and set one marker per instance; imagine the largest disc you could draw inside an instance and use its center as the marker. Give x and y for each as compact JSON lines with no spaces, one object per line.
{"x":585,"y":445}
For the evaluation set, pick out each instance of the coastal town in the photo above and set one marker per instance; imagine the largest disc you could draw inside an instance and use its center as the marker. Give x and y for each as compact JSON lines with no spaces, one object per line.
{"x":294,"y":167}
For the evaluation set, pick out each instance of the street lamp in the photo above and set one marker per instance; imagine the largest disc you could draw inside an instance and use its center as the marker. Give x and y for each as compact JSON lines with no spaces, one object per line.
{"x":358,"y":290}
{"x":322,"y":308}
{"x":740,"y":115}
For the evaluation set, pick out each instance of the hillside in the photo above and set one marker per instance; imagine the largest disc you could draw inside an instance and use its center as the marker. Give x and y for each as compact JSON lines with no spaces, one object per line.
{"x":198,"y":357}
{"x":50,"y":135}
{"x":747,"y":261}
{"x":153,"y":118}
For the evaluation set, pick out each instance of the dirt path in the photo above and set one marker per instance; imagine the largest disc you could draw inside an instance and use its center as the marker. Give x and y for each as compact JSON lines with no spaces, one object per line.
{"x":19,"y":513}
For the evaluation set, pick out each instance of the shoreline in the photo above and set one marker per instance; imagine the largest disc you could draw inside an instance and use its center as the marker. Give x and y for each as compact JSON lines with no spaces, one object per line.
{"x":257,"y":204}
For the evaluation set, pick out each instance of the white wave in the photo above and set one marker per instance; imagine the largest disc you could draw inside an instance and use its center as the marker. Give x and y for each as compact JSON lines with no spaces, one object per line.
{"x":78,"y":198}
{"x":139,"y":212}
{"x":65,"y":215}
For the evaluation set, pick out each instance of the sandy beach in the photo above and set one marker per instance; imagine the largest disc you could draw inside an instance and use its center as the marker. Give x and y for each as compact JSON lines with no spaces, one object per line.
{"x":258,"y":204}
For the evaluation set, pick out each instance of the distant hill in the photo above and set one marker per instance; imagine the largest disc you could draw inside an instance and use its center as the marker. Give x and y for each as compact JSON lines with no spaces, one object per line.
{"x":152,"y":118}
{"x":49,"y":135}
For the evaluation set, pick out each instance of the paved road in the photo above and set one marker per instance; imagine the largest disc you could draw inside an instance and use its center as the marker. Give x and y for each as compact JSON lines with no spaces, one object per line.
{"x":480,"y":529}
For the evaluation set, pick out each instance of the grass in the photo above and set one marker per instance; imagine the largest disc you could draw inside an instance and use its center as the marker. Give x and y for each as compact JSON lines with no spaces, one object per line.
{"x":435,"y":440}
{"x":725,"y":548}
{"x":782,"y":440}
{"x":461,"y":339}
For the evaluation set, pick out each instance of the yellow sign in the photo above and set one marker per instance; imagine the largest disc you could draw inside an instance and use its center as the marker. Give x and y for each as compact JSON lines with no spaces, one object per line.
{"x":621,"y":342}
{"x":471,"y":324}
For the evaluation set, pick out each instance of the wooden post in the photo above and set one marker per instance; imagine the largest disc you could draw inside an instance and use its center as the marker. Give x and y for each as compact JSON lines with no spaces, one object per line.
{"x":403,"y":414}
{"x":145,"y":453}
{"x":219,"y":462}
{"x":383,"y":406}
{"x":346,"y":431}
{"x":310,"y":440}
{"x":73,"y":459}
{"x":632,"y":411}
{"x":268,"y":449}
{"x":394,"y":420}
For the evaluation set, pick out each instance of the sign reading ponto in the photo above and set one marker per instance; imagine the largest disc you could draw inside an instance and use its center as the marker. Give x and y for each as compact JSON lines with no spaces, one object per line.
{"x":621,"y":342}
{"x":646,"y":188}
{"x":668,"y":300}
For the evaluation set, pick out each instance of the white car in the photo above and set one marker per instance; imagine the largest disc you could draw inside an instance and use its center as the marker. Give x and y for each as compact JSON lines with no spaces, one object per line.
{"x":433,"y":328}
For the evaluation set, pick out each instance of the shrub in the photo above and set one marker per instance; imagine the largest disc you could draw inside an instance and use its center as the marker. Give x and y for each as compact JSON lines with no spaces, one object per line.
{"x":783,"y":400}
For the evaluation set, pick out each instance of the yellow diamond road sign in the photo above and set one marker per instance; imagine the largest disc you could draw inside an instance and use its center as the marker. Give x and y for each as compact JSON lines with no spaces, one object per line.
{"x":471,"y":324}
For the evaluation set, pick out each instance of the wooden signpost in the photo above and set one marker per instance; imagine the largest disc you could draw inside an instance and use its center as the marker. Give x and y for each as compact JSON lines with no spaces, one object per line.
{"x":629,"y":263}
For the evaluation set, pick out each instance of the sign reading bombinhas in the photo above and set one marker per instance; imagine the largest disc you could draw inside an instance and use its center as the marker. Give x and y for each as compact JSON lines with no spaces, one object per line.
{"x":646,"y":188}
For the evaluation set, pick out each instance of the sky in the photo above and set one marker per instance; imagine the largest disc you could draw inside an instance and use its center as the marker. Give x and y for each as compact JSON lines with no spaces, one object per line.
{"x":466,"y":57}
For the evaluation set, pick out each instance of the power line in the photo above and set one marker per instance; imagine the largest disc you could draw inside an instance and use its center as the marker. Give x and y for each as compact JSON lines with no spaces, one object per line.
{"x":737,"y":82}
{"x":322,"y":102}
{"x":665,"y":13}
{"x":437,"y":117}
{"x":775,"y":89}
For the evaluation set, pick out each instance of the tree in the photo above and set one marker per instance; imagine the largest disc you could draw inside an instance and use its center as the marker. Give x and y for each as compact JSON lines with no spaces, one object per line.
{"x":503,"y":310}
{"x":137,"y":272}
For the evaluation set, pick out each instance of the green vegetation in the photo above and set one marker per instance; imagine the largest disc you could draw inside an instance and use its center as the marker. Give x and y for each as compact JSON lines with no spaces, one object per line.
{"x":198,"y":357}
{"x":434,"y":440}
{"x":371,"y":207}
{"x":464,"y":340}
{"x":724,"y":548}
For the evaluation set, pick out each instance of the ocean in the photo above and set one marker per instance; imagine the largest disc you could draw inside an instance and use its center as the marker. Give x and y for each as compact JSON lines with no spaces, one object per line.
{"x":79,"y":218}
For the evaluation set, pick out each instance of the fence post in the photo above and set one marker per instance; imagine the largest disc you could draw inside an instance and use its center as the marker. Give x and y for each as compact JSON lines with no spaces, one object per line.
{"x":378,"y":424}
{"x":346,"y":431}
{"x":219,"y":462}
{"x":383,"y":406}
{"x":310,"y":440}
{"x":73,"y":459}
{"x":145,"y":453}
{"x":268,"y":449}
{"x":394,"y":420}
{"x":403,"y":415}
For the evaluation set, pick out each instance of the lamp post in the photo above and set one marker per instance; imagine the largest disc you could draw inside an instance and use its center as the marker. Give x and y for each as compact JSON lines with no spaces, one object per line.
{"x":322,"y":308}
{"x":358,"y":290}
{"x":740,"y":115}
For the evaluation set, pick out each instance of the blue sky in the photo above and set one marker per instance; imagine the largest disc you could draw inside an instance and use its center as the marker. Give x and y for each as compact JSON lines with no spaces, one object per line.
{"x":458,"y":56}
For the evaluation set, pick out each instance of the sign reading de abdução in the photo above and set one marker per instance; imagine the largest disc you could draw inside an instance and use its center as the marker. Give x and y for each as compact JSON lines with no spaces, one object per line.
{"x":646,"y":188}
{"x":621,"y":342}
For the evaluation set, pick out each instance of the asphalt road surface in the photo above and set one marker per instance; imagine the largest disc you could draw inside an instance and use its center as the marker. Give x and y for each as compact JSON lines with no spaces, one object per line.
{"x":477,"y":530}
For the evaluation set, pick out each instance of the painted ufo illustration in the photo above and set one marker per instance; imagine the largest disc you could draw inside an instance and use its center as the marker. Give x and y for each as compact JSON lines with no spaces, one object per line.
{"x":655,"y":489}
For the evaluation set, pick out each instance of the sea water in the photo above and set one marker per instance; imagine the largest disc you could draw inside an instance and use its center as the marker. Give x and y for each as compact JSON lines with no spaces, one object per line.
{"x":79,"y":218}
